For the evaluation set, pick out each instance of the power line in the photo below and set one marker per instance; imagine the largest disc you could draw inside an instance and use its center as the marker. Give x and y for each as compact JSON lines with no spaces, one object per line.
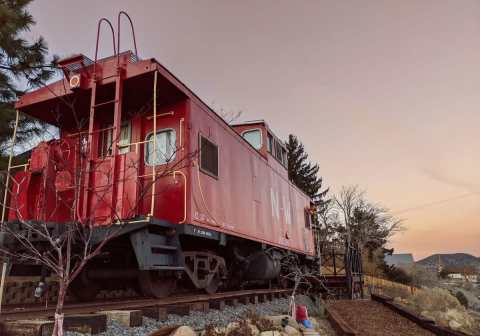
{"x":427,"y":205}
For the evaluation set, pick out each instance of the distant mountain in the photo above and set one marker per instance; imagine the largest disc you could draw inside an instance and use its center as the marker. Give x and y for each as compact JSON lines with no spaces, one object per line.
{"x":453,"y":260}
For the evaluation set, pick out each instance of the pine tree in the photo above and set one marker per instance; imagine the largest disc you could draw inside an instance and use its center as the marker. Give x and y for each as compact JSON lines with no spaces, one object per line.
{"x":303,"y":173}
{"x":21,"y":62}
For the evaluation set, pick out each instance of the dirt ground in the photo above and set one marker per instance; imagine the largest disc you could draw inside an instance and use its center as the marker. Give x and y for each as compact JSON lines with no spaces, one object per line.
{"x":370,"y":318}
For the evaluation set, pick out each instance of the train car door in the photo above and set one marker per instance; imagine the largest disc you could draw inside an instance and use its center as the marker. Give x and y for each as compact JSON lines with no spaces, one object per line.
{"x":162,"y":192}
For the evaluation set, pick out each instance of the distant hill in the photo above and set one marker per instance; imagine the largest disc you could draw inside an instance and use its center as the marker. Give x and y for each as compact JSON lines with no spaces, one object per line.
{"x":453,"y":260}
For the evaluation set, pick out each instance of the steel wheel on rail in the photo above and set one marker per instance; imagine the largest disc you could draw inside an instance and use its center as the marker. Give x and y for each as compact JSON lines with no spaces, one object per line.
{"x":214,"y":284}
{"x":154,"y":285}
{"x":84,"y":289}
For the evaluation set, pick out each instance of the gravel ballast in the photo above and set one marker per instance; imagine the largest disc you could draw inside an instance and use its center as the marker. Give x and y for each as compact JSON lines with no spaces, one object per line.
{"x":198,"y":320}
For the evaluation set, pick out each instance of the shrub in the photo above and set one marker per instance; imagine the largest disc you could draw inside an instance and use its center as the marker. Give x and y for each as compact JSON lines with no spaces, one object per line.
{"x":432,"y":299}
{"x":398,"y":275}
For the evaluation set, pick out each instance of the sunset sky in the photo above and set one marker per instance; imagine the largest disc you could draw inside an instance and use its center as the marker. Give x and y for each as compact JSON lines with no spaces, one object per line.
{"x":384,"y":94}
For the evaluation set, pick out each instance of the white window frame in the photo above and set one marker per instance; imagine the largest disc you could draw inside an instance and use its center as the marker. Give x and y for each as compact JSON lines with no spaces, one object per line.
{"x":270,"y":143}
{"x":126,"y":142}
{"x":150,"y":142}
{"x":254,"y":130}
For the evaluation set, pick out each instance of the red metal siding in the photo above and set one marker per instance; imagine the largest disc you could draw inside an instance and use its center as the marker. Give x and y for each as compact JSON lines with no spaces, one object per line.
{"x":249,"y":198}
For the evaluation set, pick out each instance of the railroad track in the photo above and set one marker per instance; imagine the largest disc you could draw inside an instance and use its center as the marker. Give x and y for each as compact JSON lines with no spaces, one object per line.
{"x":380,"y":316}
{"x":213,"y":300}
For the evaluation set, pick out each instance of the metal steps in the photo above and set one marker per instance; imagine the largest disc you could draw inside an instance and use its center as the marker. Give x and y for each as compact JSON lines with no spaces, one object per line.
{"x":156,"y":251}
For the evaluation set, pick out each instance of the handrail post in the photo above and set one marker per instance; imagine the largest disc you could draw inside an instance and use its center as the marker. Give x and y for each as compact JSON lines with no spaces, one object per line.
{"x":154,"y":171}
{"x":98,"y":39}
{"x":118,"y":34}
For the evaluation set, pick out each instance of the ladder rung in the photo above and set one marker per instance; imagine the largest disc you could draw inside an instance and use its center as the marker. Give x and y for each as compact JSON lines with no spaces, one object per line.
{"x":111,"y":76}
{"x":164,"y":247}
{"x":105,"y":103}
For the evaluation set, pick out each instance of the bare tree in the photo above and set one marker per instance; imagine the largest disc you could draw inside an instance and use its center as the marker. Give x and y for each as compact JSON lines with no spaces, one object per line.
{"x":347,"y":200}
{"x":359,"y":221}
{"x":302,"y":278}
{"x":373,"y":225}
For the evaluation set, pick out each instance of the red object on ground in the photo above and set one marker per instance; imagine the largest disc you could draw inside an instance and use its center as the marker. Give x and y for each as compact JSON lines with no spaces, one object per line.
{"x":301,"y":313}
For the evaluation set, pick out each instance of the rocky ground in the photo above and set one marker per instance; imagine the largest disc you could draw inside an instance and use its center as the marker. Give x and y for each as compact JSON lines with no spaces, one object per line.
{"x":231,"y":321}
{"x":440,"y":305}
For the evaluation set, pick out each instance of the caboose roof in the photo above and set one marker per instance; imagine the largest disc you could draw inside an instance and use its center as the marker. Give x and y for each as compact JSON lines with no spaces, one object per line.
{"x":55,"y":102}
{"x":249,"y":122}
{"x":59,"y":105}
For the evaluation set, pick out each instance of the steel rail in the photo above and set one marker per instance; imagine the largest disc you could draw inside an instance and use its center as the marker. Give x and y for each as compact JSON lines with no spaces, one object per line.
{"x":17,"y":313}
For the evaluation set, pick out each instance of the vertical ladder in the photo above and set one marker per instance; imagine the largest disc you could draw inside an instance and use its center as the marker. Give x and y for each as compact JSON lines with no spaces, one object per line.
{"x":116,"y":128}
{"x":117,"y":117}
{"x":117,"y":101}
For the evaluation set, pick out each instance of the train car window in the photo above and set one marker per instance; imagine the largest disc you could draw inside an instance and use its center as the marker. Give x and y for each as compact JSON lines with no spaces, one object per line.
{"x":308,"y":219}
{"x":106,"y":140}
{"x":125,"y":138}
{"x":278,"y":151}
{"x":254,"y":138}
{"x":270,"y":143}
{"x":284,"y":157}
{"x":208,"y":157}
{"x":166,"y":149}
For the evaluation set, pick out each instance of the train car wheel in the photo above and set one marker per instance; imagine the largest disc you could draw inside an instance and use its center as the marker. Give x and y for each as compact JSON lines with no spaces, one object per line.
{"x":213,"y":285}
{"x":154,"y":285}
{"x":284,"y":282}
{"x":83,"y":289}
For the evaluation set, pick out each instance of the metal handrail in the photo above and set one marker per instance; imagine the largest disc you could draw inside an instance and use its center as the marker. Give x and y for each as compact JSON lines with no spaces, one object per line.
{"x":184,"y":195}
{"x":98,"y":39}
{"x":118,"y":36}
{"x":152,"y":201}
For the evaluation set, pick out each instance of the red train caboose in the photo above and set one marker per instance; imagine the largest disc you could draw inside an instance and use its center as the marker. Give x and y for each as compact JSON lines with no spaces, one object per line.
{"x":140,"y":151}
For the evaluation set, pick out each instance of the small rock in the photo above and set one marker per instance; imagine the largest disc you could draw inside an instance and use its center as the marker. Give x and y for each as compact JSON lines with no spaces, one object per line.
{"x":163,"y":331}
{"x":254,"y":329}
{"x":291,"y":331}
{"x":310,"y":332}
{"x":271,"y":333}
{"x":454,"y":324}
{"x":231,"y":326}
{"x":184,"y":331}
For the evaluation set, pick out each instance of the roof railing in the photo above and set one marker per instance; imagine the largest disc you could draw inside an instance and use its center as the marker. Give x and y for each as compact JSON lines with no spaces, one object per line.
{"x":99,"y":25}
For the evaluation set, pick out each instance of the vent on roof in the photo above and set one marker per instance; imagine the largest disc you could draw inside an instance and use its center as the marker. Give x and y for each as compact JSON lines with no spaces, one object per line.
{"x":74,"y":63}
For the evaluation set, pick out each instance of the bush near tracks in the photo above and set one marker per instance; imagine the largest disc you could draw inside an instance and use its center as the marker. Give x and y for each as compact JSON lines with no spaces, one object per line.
{"x":441,"y":306}
{"x":434,"y":303}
